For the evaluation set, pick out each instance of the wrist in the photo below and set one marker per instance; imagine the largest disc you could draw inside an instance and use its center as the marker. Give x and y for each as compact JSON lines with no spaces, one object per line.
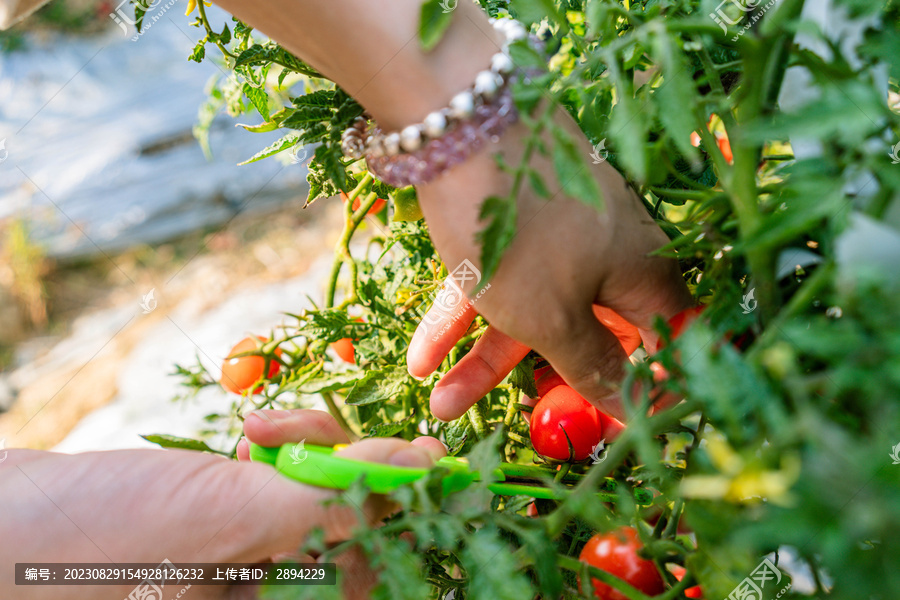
{"x":414,"y":83}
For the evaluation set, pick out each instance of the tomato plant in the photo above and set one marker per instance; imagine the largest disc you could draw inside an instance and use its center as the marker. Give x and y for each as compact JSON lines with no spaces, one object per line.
{"x":617,"y":554}
{"x":244,"y":366}
{"x":565,"y":426}
{"x":780,"y":446}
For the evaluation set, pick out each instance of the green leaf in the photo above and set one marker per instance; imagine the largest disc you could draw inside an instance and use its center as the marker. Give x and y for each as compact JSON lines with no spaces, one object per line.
{"x":378,"y":386}
{"x":255,"y":54}
{"x":493,"y":571}
{"x":497,"y":236}
{"x":457,"y":433}
{"x":574,"y":174}
{"x":537,"y":184}
{"x":303,"y":116}
{"x":259,"y":98}
{"x":288,"y":141}
{"x":522,"y":377}
{"x":171,"y":441}
{"x":535,"y":11}
{"x":400,"y":571}
{"x":675,"y":98}
{"x":628,"y":128}
{"x":330,"y":160}
{"x":199,"y":52}
{"x":390,"y":428}
{"x":434,"y":21}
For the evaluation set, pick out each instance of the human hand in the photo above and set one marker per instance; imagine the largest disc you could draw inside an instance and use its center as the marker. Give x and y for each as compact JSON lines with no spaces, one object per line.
{"x":566,"y":262}
{"x":144,"y":506}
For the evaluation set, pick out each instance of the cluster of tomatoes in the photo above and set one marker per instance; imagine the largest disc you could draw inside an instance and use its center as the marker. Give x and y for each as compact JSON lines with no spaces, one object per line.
{"x":566,"y":427}
{"x":563,"y":426}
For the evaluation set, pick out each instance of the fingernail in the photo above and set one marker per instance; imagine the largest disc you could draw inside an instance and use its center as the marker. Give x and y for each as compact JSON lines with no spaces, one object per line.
{"x":412,"y":456}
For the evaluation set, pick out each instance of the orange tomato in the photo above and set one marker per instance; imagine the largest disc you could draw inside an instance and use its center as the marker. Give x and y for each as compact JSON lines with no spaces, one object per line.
{"x":344,"y":347}
{"x":239,"y":373}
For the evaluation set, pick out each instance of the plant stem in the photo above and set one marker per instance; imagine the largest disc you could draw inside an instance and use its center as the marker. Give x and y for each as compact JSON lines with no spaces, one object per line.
{"x":338,"y":416}
{"x":342,"y":250}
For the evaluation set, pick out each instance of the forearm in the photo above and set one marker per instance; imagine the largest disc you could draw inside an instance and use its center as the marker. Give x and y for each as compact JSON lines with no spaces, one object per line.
{"x":371,"y":49}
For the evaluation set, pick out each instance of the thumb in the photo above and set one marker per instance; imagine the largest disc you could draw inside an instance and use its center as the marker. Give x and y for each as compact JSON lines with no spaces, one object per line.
{"x":590,"y":359}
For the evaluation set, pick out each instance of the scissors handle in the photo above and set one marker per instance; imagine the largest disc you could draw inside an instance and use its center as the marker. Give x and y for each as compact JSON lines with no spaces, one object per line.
{"x":317,"y":465}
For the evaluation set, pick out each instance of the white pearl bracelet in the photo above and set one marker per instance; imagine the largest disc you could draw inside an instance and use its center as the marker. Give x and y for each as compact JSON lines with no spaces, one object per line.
{"x":357,"y":141}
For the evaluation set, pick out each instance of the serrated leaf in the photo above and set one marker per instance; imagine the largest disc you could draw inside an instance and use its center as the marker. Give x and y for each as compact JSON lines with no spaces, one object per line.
{"x":400,"y":571}
{"x":522,"y":377}
{"x":493,"y":571}
{"x":329,"y":158}
{"x":303,"y":116}
{"x":252,"y":55}
{"x":434,"y":20}
{"x":628,"y":128}
{"x":259,"y":98}
{"x":675,"y":97}
{"x":575,"y":177}
{"x":378,"y":386}
{"x":171,"y":441}
{"x":457,"y":433}
{"x":498,"y":234}
{"x":288,"y":141}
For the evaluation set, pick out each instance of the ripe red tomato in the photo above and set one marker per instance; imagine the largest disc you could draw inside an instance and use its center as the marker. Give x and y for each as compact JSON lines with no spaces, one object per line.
{"x":239,"y":373}
{"x":563,"y":418}
{"x":546,"y":379}
{"x":376,"y":208}
{"x":616,"y":553}
{"x":692,"y":592}
{"x":682,"y":320}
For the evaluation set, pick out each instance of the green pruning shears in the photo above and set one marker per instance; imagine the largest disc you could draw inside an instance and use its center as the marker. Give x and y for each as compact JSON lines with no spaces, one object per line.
{"x":316,"y":465}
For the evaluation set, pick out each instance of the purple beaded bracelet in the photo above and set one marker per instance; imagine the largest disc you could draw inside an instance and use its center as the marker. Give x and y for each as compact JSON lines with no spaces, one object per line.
{"x":486,"y":124}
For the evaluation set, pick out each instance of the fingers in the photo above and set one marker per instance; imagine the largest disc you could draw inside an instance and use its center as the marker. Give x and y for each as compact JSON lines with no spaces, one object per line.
{"x":590,"y":359}
{"x":443,"y":325}
{"x":477,"y":373}
{"x":273,"y":428}
{"x":432,"y":446}
{"x":273,"y":514}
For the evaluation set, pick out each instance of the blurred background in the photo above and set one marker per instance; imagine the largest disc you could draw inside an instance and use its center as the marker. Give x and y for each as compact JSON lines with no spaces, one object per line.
{"x":124,"y":247}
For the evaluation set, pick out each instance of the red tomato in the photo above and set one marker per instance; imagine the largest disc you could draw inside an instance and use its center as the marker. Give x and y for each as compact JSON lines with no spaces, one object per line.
{"x":692,"y":592}
{"x":616,"y":553}
{"x":376,"y":208}
{"x":344,"y":346}
{"x":239,"y":373}
{"x":563,"y":418}
{"x":547,"y":380}
{"x":682,"y":320}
